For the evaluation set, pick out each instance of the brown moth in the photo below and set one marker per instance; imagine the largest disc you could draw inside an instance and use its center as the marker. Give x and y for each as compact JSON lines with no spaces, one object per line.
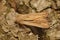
{"x":34,"y":19}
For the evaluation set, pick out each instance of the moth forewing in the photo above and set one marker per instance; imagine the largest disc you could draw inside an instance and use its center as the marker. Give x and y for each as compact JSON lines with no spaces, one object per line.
{"x":34,"y":19}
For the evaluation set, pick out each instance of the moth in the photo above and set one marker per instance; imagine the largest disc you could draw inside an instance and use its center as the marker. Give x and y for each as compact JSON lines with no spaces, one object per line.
{"x":34,"y":19}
